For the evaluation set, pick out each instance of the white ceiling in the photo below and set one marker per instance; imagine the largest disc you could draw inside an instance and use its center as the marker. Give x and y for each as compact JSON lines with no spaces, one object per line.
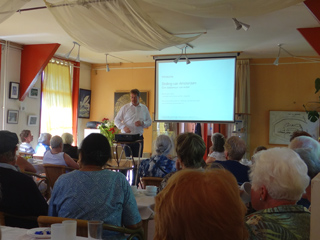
{"x":260,"y":41}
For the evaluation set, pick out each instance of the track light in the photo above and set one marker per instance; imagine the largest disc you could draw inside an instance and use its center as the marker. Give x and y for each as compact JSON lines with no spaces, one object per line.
{"x":187,"y":59}
{"x":78,"y":56}
{"x":178,"y":58}
{"x":276,"y":62}
{"x":107,"y":65}
{"x":68,"y":54}
{"x":240,"y":25}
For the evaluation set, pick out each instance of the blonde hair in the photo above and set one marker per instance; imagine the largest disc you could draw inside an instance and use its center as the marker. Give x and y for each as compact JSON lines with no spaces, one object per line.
{"x":67,"y":138}
{"x":198,"y":204}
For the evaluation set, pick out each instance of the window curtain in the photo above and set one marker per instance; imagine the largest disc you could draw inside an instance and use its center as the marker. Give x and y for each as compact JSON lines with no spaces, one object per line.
{"x":56,"y":115}
{"x":243,"y":86}
{"x":9,"y":7}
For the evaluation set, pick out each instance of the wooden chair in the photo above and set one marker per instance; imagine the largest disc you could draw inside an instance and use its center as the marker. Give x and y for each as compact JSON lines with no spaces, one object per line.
{"x":82,"y":227}
{"x":41,"y":179}
{"x":53,"y":172}
{"x":153,"y":181}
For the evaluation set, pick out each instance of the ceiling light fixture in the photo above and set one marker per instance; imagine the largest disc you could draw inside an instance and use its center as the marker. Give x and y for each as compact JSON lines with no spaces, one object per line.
{"x":78,"y":56}
{"x":107,"y":65}
{"x":240,"y":25}
{"x":178,"y":58}
{"x":187,"y":59}
{"x":68,"y":54}
{"x":276,"y":62}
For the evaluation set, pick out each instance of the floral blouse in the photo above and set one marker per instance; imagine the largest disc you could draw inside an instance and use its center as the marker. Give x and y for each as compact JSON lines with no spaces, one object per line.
{"x":156,"y":166}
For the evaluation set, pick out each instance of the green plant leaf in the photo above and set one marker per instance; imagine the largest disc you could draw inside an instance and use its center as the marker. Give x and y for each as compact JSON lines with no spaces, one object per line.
{"x":313,"y":116}
{"x":317,"y":84}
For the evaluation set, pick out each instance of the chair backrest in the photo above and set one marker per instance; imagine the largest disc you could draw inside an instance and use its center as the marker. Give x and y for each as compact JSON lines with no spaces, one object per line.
{"x":82,"y":227}
{"x":25,"y":155}
{"x":13,"y":220}
{"x":53,"y":172}
{"x":39,"y":180}
{"x":152,"y":181}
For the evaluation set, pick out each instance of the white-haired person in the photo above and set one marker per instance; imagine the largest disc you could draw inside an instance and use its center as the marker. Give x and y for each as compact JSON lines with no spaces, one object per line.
{"x":159,"y":164}
{"x":279,"y":178}
{"x":72,"y":151}
{"x":217,"y":149}
{"x":57,"y":156}
{"x":305,"y":142}
{"x":43,"y":144}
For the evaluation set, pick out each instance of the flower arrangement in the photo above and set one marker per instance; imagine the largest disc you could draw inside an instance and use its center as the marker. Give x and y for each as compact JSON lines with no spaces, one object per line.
{"x":108,"y":129}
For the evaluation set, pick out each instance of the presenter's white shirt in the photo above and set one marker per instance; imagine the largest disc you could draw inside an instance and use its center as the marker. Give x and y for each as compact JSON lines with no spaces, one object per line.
{"x":129,"y":114}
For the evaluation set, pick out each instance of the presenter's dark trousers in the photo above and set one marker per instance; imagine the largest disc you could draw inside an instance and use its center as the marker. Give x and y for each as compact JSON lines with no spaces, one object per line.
{"x":135,"y":153}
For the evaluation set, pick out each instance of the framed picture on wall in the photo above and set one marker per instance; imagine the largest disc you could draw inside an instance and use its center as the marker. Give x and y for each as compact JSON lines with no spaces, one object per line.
{"x":32,"y":120}
{"x":34,"y":93}
{"x":14,"y":90}
{"x":13,"y":116}
{"x":123,"y":97}
{"x":84,"y":103}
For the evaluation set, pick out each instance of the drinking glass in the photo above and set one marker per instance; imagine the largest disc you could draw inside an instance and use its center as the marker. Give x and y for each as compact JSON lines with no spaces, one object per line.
{"x":95,"y":230}
{"x":57,"y":231}
{"x":70,"y":229}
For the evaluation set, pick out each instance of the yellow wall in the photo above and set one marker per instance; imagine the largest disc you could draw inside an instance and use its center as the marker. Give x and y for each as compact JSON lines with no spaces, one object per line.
{"x":278,"y":88}
{"x":104,"y":84}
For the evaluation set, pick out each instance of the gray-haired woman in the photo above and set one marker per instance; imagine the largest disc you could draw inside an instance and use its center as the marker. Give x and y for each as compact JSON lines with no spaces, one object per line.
{"x":159,"y":164}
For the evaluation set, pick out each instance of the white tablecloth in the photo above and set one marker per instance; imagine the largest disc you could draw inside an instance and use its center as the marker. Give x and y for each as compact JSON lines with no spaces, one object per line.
{"x":145,"y":205}
{"x":11,"y":233}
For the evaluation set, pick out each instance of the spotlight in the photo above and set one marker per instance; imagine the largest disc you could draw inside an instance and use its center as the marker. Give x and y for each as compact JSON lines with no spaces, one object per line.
{"x":185,"y":52}
{"x":107,"y":65}
{"x":240,"y":25}
{"x":276,"y":62}
{"x":178,"y":58}
{"x":68,"y":54}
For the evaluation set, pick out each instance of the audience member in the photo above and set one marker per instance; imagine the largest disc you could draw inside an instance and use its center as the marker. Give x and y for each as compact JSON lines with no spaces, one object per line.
{"x":26,"y":138}
{"x":72,"y":151}
{"x":200,"y":205}
{"x":43,"y":144}
{"x":20,"y":195}
{"x":305,"y":142}
{"x":258,"y":149}
{"x":299,"y":133}
{"x":235,"y":148}
{"x":313,"y":164}
{"x":159,"y":164}
{"x":56,"y":156}
{"x":190,"y":149}
{"x":95,"y":193}
{"x":279,"y":178}
{"x":217,"y":148}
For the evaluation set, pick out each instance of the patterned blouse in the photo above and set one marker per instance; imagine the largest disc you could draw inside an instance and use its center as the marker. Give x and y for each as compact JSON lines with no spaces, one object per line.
{"x":156,"y":166}
{"x":287,"y":222}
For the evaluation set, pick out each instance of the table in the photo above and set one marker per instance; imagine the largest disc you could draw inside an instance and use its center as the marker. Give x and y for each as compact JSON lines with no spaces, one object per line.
{"x":13,"y":233}
{"x":146,"y":209}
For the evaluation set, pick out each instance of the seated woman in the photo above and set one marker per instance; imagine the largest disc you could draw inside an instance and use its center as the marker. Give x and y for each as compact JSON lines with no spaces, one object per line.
{"x":72,"y":151}
{"x":160,"y":164}
{"x":26,"y":138}
{"x":279,"y":178}
{"x":202,"y":205}
{"x":43,"y":144}
{"x":217,"y":148}
{"x":56,"y":156}
{"x":94,"y":193}
{"x":190,"y":149}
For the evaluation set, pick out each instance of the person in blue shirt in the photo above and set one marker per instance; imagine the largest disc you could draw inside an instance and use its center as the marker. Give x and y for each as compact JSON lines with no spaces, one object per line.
{"x":161,"y":163}
{"x":94,"y":193}
{"x":43,"y":144}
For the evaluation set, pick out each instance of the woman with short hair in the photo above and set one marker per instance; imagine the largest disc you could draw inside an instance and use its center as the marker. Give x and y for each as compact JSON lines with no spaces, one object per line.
{"x":72,"y":151}
{"x":217,"y":149}
{"x":159,"y":164}
{"x":279,"y":178}
{"x":43,"y":144}
{"x":94,"y":193}
{"x":26,"y":138}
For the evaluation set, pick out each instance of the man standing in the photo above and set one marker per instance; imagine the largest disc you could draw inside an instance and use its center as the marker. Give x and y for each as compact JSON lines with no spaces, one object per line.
{"x":133,"y":117}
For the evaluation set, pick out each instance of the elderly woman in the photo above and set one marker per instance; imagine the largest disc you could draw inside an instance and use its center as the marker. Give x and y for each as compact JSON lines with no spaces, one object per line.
{"x":72,"y":151}
{"x":306,"y":142}
{"x":43,"y":144}
{"x":26,"y":138}
{"x":160,"y":164}
{"x":56,"y":156}
{"x":217,"y":149}
{"x":279,"y":178}
{"x":234,"y":149}
{"x":200,"y":205}
{"x":190,"y":150}
{"x":94,"y":193}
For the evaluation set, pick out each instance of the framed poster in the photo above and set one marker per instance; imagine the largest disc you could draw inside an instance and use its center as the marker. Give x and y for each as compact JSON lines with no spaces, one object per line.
{"x":14,"y":90}
{"x":283,"y":123}
{"x":34,"y":93}
{"x":123,"y":97}
{"x":13,"y":116}
{"x":84,"y":103}
{"x":32,"y":120}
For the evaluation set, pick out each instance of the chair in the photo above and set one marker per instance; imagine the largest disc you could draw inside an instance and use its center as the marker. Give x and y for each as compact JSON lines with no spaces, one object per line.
{"x":53,"y":172}
{"x":12,"y":220}
{"x":25,"y":155}
{"x":82,"y":227}
{"x":38,"y":180}
{"x":153,"y":181}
